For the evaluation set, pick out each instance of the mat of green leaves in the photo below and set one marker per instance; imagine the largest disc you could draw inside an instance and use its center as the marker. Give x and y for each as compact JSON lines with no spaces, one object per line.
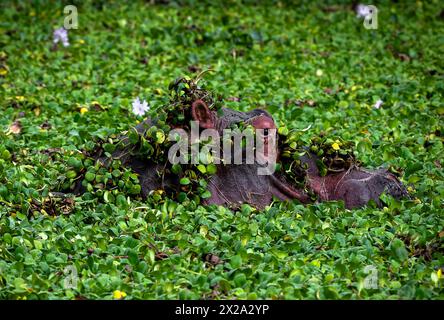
{"x":311,"y":65}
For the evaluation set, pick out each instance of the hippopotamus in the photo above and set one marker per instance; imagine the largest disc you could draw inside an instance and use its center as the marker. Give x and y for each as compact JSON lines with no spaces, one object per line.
{"x":235,"y":184}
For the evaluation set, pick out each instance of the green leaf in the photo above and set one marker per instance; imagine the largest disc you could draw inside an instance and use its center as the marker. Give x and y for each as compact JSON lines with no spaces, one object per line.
{"x":240,"y":279}
{"x":176,"y":169}
{"x":211,"y":169}
{"x":74,"y":162}
{"x":133,"y":257}
{"x":236,"y":261}
{"x":283,"y":131}
{"x":364,"y":146}
{"x":399,"y":250}
{"x":108,"y":147}
{"x":89,"y":176}
{"x":202,"y":168}
{"x":343,"y":104}
{"x":160,"y":137}
{"x":206,"y":194}
{"x":71,"y":174}
{"x":135,"y":189}
{"x":121,"y":201}
{"x":133,"y":136}
{"x":6,"y":155}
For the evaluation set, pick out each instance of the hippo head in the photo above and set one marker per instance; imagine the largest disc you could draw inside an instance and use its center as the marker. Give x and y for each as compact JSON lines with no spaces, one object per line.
{"x":243,"y":181}
{"x":263,"y":133}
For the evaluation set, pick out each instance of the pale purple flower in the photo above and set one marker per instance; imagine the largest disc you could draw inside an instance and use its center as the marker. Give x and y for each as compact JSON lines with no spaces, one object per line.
{"x":362,"y":10}
{"x":378,"y":104}
{"x":61,"y":35}
{"x":139,"y":109}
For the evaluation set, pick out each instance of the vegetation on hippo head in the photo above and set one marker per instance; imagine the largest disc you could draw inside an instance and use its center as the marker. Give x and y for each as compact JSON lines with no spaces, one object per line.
{"x":332,"y":154}
{"x":111,"y":181}
{"x":184,"y":91}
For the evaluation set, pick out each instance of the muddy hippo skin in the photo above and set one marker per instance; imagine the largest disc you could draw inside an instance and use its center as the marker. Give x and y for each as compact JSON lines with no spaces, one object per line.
{"x":355,"y":186}
{"x":234,"y":184}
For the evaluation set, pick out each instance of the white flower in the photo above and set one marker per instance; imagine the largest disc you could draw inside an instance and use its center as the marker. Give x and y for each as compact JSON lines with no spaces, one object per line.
{"x":139,"y":109}
{"x":378,"y":104}
{"x":362,"y":10}
{"x":61,"y":35}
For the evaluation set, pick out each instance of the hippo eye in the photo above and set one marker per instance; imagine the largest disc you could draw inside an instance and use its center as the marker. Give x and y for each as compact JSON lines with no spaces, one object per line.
{"x":266,"y":132}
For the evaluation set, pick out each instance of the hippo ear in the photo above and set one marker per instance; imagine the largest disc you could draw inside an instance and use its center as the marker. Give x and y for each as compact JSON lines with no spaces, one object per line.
{"x":201,"y":113}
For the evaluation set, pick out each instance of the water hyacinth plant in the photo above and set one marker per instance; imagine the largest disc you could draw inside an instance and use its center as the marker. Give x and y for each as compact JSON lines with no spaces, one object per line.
{"x":378,"y":104}
{"x":140,"y":108}
{"x":61,"y":35}
{"x":362,"y":10}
